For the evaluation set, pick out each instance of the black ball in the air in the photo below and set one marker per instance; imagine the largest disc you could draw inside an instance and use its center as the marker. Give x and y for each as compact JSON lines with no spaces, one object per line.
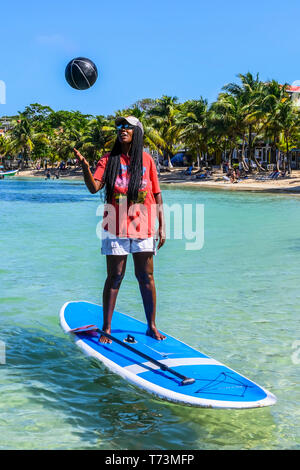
{"x":81,"y":73}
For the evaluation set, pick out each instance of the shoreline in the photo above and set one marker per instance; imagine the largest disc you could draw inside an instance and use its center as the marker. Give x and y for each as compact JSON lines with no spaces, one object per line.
{"x":287,"y":185}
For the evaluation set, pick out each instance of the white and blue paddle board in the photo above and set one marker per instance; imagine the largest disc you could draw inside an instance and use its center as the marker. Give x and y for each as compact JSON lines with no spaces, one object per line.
{"x":215,"y":385}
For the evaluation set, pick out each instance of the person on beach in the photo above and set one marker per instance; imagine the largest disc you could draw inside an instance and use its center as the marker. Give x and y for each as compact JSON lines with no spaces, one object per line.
{"x":225,"y":167}
{"x":133,"y":202}
{"x":232,"y":175}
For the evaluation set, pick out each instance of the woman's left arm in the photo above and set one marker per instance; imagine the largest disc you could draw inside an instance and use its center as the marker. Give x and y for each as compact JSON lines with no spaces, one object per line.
{"x":161,"y":220}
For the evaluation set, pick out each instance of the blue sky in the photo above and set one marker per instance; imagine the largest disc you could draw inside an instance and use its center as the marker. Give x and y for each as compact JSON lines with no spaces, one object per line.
{"x":143,"y":49}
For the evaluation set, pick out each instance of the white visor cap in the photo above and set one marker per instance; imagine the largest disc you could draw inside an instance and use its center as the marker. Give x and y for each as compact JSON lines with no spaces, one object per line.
{"x":131,"y":120}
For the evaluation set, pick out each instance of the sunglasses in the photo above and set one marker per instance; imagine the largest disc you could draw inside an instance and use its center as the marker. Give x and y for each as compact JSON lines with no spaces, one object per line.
{"x":124,"y":126}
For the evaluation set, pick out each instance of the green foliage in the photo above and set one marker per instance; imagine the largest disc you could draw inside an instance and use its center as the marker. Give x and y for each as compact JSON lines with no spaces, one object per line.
{"x":244,"y":113}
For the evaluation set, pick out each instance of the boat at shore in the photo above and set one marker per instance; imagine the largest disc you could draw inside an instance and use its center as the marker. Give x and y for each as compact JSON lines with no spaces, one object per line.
{"x":8,"y":173}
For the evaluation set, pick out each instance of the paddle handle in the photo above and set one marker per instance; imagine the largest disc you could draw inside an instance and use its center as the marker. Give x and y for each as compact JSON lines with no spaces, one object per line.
{"x":85,"y":329}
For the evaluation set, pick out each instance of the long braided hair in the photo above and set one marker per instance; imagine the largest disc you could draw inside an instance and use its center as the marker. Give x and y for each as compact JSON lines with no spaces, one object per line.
{"x":135,"y":169}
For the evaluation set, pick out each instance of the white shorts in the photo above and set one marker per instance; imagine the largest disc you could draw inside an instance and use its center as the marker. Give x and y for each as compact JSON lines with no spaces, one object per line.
{"x":124,"y":246}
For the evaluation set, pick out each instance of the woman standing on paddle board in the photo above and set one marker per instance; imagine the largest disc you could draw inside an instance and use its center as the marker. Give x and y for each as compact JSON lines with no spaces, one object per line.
{"x":133,"y":201}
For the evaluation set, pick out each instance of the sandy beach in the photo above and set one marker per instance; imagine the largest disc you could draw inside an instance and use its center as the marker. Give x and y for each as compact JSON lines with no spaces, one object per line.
{"x":176,"y":176}
{"x":253,"y":182}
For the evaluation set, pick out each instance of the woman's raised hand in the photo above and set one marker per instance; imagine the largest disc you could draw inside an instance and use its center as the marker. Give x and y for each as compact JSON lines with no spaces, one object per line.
{"x":81,"y":158}
{"x":92,"y":184}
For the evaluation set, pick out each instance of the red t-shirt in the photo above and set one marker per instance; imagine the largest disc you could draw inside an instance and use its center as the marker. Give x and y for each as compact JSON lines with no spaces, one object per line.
{"x":133,"y":220}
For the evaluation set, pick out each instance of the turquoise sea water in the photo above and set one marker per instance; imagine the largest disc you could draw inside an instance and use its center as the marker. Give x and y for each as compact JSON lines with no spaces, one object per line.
{"x":237,"y":300}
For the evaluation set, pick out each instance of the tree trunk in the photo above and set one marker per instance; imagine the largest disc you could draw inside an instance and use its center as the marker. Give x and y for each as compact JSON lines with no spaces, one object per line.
{"x":258,"y":164}
{"x":230,"y":157}
{"x":273,"y":154}
{"x":201,"y":160}
{"x":198,"y":160}
{"x":274,"y":148}
{"x":288,"y":156}
{"x":243,"y":161}
{"x":278,"y":164}
{"x":250,"y":148}
{"x":289,"y":163}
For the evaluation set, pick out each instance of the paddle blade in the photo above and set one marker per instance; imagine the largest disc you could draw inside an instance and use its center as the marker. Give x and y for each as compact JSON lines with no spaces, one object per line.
{"x":188,"y":381}
{"x":84,"y":329}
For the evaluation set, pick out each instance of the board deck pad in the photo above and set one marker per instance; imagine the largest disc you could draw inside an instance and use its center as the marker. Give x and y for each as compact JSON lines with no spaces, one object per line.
{"x":215,"y":386}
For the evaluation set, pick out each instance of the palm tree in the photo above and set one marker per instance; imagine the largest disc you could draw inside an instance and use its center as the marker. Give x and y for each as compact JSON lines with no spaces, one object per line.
{"x":226,"y":117}
{"x":289,"y":123}
{"x":4,"y":147}
{"x":96,"y":138}
{"x":63,"y":141}
{"x":191,"y":120}
{"x":163,"y":116}
{"x":67,"y":131}
{"x":249,"y":93}
{"x":273,"y":96}
{"x":23,"y":137}
{"x":152,"y":137}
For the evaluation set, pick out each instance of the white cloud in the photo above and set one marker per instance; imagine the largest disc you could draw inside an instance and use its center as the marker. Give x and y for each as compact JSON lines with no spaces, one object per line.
{"x":55,"y":40}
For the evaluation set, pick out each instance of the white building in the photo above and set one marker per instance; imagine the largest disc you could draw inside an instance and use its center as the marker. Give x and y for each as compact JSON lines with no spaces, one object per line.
{"x":294,"y":92}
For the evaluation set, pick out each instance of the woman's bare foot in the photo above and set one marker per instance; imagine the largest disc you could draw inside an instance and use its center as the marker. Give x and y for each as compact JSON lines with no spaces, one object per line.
{"x":154,"y":333}
{"x":103,"y":339}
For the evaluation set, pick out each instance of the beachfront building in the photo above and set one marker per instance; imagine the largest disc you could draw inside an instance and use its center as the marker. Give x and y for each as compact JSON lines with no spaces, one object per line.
{"x":266,"y":156}
{"x":294,"y":92}
{"x":263,"y":153}
{"x":263,"y":150}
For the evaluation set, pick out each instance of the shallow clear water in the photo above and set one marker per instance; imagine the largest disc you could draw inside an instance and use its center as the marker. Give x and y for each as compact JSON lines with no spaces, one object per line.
{"x":236,"y":299}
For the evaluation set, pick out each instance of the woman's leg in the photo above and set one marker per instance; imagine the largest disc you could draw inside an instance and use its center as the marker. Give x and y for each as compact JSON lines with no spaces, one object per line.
{"x":143,"y":265}
{"x":116,"y":266}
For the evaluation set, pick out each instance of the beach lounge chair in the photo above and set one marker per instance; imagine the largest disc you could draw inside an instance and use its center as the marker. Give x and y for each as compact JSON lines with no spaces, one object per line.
{"x":270,"y":176}
{"x":202,"y":176}
{"x":226,"y":178}
{"x":188,"y":171}
{"x":261,"y":177}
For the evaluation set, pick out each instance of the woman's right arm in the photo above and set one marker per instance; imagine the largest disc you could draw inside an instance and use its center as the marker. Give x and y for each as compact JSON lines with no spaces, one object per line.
{"x":93,"y":185}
